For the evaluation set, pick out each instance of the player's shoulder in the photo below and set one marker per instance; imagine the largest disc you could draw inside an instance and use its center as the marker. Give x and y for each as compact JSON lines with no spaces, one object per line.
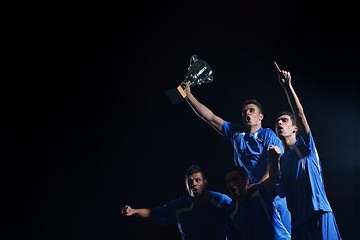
{"x":219,"y":197}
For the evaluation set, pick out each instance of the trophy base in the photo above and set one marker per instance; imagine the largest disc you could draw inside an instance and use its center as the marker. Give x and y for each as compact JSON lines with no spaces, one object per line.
{"x":176,"y":95}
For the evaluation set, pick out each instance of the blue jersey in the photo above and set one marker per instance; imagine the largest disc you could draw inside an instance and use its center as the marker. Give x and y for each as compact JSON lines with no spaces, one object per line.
{"x":251,"y":152}
{"x":202,"y":221}
{"x":250,"y":149}
{"x":302,"y":180}
{"x":256,"y":218}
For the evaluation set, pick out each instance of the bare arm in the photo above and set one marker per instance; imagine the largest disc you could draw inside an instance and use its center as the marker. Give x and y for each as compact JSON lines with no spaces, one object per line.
{"x":266,"y":175}
{"x":284,"y":78}
{"x":140,"y":212}
{"x":202,"y":111}
{"x":274,"y":168}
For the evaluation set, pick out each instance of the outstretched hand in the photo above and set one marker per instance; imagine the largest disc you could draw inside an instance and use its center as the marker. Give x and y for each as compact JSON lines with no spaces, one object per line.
{"x":283,"y":76}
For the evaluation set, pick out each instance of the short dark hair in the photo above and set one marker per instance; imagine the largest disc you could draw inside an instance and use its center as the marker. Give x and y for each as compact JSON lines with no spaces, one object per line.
{"x":292,"y":118}
{"x":253,"y":101}
{"x":194,"y":168}
{"x":243,"y":173}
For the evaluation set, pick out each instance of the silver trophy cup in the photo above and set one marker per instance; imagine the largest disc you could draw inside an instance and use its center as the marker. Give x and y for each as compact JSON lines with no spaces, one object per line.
{"x":198,"y":72}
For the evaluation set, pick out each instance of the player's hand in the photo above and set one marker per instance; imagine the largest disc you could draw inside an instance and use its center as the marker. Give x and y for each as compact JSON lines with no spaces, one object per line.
{"x":284,"y":77}
{"x":127,"y":210}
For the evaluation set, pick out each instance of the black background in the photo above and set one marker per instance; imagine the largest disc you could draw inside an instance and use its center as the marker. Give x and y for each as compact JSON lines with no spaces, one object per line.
{"x":86,"y":126}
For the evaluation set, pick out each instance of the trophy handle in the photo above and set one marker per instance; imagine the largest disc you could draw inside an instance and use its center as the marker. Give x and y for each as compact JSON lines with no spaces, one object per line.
{"x":209,"y":79}
{"x":192,"y":60}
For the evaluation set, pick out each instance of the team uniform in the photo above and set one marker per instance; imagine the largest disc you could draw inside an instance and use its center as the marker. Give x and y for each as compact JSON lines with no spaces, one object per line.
{"x":250,"y":152}
{"x":256,"y":218}
{"x":204,"y":221}
{"x":302,"y":180}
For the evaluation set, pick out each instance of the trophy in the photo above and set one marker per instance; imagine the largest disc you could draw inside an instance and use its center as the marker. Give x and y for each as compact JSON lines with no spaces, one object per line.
{"x":198,"y":72}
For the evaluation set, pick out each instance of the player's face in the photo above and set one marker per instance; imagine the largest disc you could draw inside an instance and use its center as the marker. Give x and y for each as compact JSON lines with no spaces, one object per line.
{"x":251,"y":115}
{"x":284,"y":127}
{"x":195,"y":184}
{"x":235,"y":183}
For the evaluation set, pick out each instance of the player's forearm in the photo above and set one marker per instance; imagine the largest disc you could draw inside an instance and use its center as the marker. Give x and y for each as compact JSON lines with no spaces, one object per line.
{"x":293,"y":100}
{"x":142,"y":212}
{"x":274,"y":171}
{"x":296,"y":108}
{"x":205,"y":113}
{"x":266,"y":175}
{"x":200,"y":109}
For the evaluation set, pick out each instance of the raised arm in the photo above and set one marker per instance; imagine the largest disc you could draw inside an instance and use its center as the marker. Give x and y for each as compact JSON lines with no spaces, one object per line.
{"x":202,"y":111}
{"x":284,"y":78}
{"x":140,"y":212}
{"x":274,"y":168}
